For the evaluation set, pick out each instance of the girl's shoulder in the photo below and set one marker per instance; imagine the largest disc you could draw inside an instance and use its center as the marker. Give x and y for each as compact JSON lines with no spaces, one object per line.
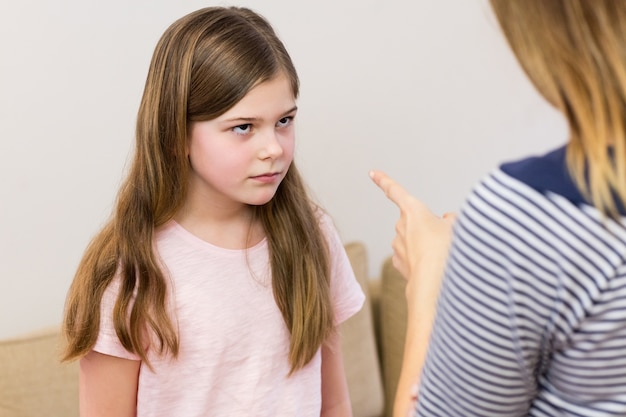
{"x":322,"y":216}
{"x":328,"y":227}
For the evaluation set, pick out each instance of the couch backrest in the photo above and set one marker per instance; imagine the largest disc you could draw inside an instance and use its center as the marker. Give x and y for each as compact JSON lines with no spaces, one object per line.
{"x":34,"y":384}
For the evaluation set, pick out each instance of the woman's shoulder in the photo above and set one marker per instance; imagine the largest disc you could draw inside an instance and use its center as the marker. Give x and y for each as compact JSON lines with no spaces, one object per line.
{"x":547,"y":173}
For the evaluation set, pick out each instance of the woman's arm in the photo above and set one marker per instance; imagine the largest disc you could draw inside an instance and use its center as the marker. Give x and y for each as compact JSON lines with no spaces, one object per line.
{"x":421,"y":308}
{"x":335,"y":396}
{"x":420,"y":250}
{"x":108,"y":386}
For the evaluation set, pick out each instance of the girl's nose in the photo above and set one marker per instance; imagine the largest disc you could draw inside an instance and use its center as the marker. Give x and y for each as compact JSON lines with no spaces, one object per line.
{"x":271,"y":146}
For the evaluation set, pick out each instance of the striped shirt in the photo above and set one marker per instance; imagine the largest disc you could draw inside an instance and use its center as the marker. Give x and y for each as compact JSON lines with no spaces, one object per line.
{"x":532,"y":312}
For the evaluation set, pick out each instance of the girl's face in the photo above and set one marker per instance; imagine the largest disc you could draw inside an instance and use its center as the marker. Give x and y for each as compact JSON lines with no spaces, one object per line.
{"x":242,"y":156}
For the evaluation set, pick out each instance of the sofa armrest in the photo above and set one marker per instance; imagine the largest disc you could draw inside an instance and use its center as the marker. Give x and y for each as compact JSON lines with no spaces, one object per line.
{"x":392,"y":317}
{"x":358,"y":344}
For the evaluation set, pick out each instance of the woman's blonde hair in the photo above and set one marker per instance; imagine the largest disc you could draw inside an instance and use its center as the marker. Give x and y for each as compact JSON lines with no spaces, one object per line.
{"x":203,"y":65}
{"x":574,"y":51}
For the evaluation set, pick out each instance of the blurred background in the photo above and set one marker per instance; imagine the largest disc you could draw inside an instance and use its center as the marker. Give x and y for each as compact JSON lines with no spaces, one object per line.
{"x":426,"y":90}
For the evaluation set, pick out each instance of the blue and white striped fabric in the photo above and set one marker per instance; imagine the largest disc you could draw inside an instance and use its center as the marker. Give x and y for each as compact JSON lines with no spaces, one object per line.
{"x":532,"y":312}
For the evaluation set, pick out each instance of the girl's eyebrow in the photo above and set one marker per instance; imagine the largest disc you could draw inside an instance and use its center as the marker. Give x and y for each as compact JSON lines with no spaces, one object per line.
{"x":253,"y":119}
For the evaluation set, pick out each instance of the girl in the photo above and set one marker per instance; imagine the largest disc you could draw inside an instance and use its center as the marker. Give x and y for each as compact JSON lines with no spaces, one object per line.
{"x":530,"y":319}
{"x":216,"y":287}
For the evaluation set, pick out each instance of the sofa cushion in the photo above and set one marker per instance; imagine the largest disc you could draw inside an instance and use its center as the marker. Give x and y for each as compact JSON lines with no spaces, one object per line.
{"x":358,"y":344}
{"x":33,"y":383}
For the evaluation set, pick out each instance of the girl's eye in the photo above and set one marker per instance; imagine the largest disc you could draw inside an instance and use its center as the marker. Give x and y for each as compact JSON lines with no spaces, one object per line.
{"x":242,"y":129}
{"x":285,"y":121}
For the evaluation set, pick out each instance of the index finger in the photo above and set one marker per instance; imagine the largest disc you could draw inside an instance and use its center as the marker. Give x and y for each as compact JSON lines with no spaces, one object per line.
{"x":394,"y":191}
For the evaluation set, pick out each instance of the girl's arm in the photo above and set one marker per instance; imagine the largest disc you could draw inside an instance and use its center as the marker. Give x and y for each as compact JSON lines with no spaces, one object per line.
{"x":108,"y":386}
{"x":335,"y":397}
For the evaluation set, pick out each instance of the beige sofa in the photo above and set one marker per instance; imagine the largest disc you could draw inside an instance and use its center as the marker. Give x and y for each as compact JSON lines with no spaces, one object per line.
{"x":34,"y":384}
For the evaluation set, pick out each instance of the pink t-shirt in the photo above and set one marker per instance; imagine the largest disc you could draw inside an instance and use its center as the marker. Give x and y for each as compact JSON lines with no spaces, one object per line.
{"x":233,"y":340}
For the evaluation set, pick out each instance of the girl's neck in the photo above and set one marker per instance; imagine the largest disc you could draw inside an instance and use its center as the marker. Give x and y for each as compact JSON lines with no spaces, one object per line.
{"x":225,"y":228}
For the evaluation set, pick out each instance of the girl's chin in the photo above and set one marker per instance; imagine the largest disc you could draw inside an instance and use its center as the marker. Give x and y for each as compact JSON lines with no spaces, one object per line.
{"x":260,"y":201}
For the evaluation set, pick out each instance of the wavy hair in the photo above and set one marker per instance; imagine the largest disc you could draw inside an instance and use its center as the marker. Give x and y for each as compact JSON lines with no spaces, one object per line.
{"x":202,"y":66}
{"x":574,"y":51}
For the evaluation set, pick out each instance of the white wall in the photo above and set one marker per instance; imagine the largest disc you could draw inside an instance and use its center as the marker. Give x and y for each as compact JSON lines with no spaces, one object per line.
{"x":424,"y":89}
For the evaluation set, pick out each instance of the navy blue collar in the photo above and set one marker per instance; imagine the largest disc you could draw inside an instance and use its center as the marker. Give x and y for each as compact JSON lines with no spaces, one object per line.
{"x":547,"y":173}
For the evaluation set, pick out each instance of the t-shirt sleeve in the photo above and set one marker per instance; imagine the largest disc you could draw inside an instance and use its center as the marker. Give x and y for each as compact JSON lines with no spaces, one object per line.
{"x":108,"y":343}
{"x":347,"y":295}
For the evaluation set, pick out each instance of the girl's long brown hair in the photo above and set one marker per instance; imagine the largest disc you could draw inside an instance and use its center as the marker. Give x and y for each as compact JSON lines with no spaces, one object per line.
{"x":202,"y":66}
{"x":574,"y":51}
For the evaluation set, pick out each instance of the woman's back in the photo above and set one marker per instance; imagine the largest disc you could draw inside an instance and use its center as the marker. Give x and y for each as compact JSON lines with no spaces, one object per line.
{"x":531,"y":320}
